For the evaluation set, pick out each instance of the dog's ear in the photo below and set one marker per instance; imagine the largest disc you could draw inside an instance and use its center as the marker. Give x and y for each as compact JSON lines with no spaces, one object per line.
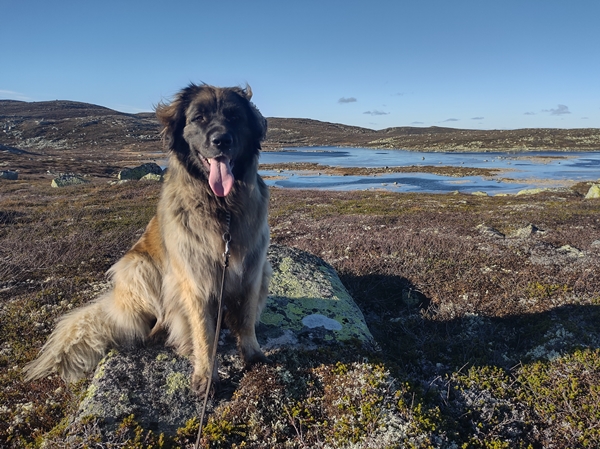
{"x":260,"y":121}
{"x":170,"y":116}
{"x":244,"y":92}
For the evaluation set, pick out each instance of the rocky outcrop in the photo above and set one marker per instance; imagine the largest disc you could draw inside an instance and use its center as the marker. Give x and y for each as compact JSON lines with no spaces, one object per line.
{"x":140,"y":171}
{"x":308,"y":308}
{"x":68,"y":180}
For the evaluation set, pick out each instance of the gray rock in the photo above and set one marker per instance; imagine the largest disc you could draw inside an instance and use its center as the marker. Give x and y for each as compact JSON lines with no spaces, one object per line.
{"x":489,"y":231}
{"x":140,"y":171}
{"x":571,"y":251}
{"x":68,"y":180}
{"x":527,"y":231}
{"x":9,"y":174}
{"x":153,"y":384}
{"x":308,"y":307}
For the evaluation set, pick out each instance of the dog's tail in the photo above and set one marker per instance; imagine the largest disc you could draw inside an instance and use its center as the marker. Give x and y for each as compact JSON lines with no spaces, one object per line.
{"x":82,"y":337}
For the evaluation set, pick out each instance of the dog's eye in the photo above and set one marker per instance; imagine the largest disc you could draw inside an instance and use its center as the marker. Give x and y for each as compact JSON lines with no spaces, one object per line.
{"x":198,"y":118}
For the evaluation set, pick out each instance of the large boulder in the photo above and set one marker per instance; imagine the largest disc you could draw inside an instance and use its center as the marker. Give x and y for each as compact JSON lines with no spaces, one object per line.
{"x":308,"y":308}
{"x":140,"y":171}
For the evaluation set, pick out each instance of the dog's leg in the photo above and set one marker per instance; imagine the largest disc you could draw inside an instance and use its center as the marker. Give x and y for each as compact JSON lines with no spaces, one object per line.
{"x":191,"y":323}
{"x":243,"y":316}
{"x":203,"y":332}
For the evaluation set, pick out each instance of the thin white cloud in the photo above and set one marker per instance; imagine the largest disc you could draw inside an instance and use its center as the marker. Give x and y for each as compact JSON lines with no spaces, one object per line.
{"x":477,"y":118}
{"x":375,"y":112}
{"x":417,"y":123}
{"x":530,"y":113}
{"x":128,"y":109}
{"x":12,"y":95}
{"x":347,"y":100}
{"x":560,"y":110}
{"x":452,"y":120}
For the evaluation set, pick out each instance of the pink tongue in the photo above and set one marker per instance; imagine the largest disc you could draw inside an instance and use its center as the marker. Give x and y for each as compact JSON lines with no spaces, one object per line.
{"x":220,"y":178}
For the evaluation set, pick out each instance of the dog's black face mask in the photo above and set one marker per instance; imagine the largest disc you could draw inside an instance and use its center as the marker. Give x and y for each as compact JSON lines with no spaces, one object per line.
{"x":214,"y":132}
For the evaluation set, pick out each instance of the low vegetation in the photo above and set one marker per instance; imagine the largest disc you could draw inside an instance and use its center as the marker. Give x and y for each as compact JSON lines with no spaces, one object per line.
{"x":485,"y":309}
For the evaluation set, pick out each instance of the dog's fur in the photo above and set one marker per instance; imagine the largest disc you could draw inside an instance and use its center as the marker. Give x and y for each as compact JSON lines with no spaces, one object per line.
{"x":171,"y":278}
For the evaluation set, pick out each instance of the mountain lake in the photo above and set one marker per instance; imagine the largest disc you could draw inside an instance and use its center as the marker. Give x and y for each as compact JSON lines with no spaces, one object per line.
{"x":516,"y":171}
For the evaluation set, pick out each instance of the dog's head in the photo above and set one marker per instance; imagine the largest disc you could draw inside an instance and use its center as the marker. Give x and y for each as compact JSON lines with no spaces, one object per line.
{"x":214,"y":132}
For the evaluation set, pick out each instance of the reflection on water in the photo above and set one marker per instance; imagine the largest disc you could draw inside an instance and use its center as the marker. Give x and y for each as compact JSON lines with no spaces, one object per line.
{"x":522,"y":170}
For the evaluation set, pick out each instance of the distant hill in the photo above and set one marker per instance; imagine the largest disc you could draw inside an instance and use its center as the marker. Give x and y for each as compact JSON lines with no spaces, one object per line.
{"x":68,"y":136}
{"x":293,"y":132}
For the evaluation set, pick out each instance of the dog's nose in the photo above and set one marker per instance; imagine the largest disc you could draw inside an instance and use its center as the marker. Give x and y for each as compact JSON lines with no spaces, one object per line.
{"x":222,"y":141}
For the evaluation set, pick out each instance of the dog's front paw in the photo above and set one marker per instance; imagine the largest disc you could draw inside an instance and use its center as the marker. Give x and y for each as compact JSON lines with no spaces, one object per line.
{"x":200,"y":382}
{"x":257,"y":358}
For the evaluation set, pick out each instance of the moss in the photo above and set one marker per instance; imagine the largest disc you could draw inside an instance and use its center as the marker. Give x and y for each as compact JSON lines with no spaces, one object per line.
{"x":541,"y":291}
{"x":565,"y":393}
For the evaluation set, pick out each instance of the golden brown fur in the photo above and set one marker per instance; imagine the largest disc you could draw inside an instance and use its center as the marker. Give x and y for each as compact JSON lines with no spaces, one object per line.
{"x":170,"y":279}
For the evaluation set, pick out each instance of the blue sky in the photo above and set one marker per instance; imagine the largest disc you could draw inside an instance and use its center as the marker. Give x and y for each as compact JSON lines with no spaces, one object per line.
{"x":482,"y":64}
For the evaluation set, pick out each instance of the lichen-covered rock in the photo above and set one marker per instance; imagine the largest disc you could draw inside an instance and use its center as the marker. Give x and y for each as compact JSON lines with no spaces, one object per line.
{"x":308,"y":308}
{"x":152,"y":177}
{"x":152,"y":384}
{"x":308,"y":305}
{"x":140,"y":171}
{"x":67,"y":180}
{"x":593,"y":192}
{"x":535,"y":191}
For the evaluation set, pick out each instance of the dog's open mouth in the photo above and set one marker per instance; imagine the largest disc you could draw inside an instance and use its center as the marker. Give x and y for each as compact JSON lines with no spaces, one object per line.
{"x":220,"y":177}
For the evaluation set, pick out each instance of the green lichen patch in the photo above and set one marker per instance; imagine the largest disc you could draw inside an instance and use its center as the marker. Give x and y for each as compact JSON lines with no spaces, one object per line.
{"x":308,"y":299}
{"x":177,"y":382}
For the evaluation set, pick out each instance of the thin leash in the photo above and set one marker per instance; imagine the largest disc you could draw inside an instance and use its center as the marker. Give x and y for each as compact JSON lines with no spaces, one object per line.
{"x":226,"y":239}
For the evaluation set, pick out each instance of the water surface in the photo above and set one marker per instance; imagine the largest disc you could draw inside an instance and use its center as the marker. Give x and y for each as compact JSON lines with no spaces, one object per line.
{"x":520,"y":171}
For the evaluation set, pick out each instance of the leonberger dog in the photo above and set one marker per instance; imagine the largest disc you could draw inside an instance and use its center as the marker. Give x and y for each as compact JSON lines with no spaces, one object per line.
{"x":171,"y":278}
